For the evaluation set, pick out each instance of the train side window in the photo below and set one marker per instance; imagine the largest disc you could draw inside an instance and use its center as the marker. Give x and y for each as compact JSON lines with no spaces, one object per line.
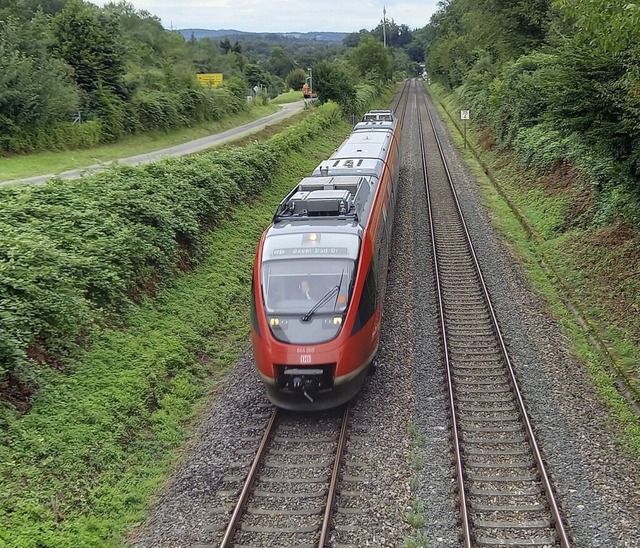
{"x":254,"y":311}
{"x":369,"y":299}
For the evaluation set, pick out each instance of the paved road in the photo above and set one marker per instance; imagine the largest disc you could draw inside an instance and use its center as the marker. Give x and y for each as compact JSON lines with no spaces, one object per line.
{"x":286,"y":110}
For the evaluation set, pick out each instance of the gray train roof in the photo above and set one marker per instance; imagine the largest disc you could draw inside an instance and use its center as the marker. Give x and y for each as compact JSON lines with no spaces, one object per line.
{"x":369,"y":137}
{"x":340,"y":200}
{"x":360,"y":154}
{"x":365,"y":144}
{"x":379,"y":115}
{"x":370,"y":167}
{"x":338,"y":197}
{"x":374,"y":126}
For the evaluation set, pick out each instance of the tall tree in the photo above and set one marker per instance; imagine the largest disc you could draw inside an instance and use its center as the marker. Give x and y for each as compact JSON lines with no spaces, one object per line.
{"x":35,"y":89}
{"x":333,"y":83}
{"x":613,"y":25}
{"x":281,"y":63}
{"x":396,"y":35}
{"x":296,"y":79}
{"x":370,"y":55}
{"x":90,"y":41}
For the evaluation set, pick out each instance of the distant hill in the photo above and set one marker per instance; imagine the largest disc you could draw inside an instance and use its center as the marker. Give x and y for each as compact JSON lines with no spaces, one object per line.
{"x":221,"y":33}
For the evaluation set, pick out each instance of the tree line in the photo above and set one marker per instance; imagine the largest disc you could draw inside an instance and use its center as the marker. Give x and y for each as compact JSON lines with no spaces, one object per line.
{"x":73,"y":74}
{"x":555,"y":80}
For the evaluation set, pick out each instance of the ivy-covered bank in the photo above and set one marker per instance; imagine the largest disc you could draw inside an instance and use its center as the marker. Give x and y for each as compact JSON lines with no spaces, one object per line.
{"x":575,"y":260}
{"x":101,"y":433}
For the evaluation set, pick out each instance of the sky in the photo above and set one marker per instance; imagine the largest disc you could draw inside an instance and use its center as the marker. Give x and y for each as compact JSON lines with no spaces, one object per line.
{"x":285,"y":15}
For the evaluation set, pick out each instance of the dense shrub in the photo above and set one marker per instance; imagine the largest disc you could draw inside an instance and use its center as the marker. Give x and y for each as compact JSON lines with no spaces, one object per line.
{"x":157,"y":110}
{"x":147,"y":110}
{"x":110,"y":110}
{"x":365,"y":95}
{"x":541,"y":146}
{"x":73,"y":253}
{"x":194,"y":105}
{"x":60,"y":136}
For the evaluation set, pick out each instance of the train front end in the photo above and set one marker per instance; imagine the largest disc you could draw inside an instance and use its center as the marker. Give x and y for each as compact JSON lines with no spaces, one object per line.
{"x":303,"y":341}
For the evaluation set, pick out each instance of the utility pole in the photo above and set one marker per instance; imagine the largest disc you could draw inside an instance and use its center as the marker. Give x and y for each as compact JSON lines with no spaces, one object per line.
{"x":384,"y":25}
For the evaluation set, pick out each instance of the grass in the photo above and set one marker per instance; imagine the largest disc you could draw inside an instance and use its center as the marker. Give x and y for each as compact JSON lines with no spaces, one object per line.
{"x":101,"y":438}
{"x":415,"y":517}
{"x":48,"y":162}
{"x":569,"y":267}
{"x":288,"y":97}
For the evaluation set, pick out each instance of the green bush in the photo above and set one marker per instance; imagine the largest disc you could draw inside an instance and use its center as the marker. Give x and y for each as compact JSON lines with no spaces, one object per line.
{"x":147,"y":110}
{"x":157,"y":110}
{"x":60,"y":136}
{"x":541,"y":146}
{"x":194,"y":105}
{"x":110,"y":110}
{"x":74,"y":253}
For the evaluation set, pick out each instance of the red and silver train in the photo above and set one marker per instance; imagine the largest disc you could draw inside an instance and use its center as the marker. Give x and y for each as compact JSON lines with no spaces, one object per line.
{"x":320,"y":272}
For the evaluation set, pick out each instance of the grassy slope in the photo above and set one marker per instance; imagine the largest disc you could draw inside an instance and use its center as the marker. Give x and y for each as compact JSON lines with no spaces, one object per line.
{"x":597,"y":263}
{"x":288,"y":97}
{"x":102,"y":437}
{"x":43,"y":163}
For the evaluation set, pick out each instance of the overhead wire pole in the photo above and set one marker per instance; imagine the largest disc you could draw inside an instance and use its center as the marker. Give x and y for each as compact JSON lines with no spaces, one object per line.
{"x":384,"y":25}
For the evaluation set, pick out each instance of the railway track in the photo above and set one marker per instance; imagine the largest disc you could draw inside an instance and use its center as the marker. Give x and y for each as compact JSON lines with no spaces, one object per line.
{"x":505,"y":496}
{"x":288,"y":495}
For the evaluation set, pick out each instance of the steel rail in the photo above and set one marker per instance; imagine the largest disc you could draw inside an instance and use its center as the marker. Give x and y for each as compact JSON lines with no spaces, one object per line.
{"x":466,"y":529}
{"x":333,"y":485}
{"x":549,"y":494}
{"x":248,"y":484}
{"x":398,"y":101}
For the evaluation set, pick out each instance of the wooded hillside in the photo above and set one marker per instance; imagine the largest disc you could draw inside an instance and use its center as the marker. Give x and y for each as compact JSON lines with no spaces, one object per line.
{"x":558,"y":81}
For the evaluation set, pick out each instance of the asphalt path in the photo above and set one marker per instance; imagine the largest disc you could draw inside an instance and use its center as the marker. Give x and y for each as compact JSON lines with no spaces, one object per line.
{"x":286,"y":110}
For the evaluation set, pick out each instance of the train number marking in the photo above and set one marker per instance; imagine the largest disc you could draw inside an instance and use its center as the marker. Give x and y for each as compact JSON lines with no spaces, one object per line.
{"x":306,"y":350}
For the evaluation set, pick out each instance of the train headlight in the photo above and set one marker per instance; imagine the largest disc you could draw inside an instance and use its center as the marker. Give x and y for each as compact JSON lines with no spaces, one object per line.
{"x":278,"y":323}
{"x":337,"y":320}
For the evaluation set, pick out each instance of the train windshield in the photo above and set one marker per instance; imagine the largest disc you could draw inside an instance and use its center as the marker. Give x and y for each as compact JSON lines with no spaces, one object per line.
{"x":306,"y":299}
{"x":295,"y":287}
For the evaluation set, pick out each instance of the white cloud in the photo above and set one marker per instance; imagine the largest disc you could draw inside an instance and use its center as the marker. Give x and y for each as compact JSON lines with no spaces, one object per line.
{"x":285,"y":15}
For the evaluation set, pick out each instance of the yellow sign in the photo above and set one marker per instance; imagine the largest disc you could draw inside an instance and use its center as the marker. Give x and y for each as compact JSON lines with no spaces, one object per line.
{"x":211,"y":80}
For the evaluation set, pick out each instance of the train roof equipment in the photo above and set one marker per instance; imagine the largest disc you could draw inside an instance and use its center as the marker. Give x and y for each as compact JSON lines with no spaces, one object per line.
{"x":327,"y":197}
{"x":379,"y":115}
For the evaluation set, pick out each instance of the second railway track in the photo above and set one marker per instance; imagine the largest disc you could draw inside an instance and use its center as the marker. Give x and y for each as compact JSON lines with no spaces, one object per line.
{"x":505,"y":496}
